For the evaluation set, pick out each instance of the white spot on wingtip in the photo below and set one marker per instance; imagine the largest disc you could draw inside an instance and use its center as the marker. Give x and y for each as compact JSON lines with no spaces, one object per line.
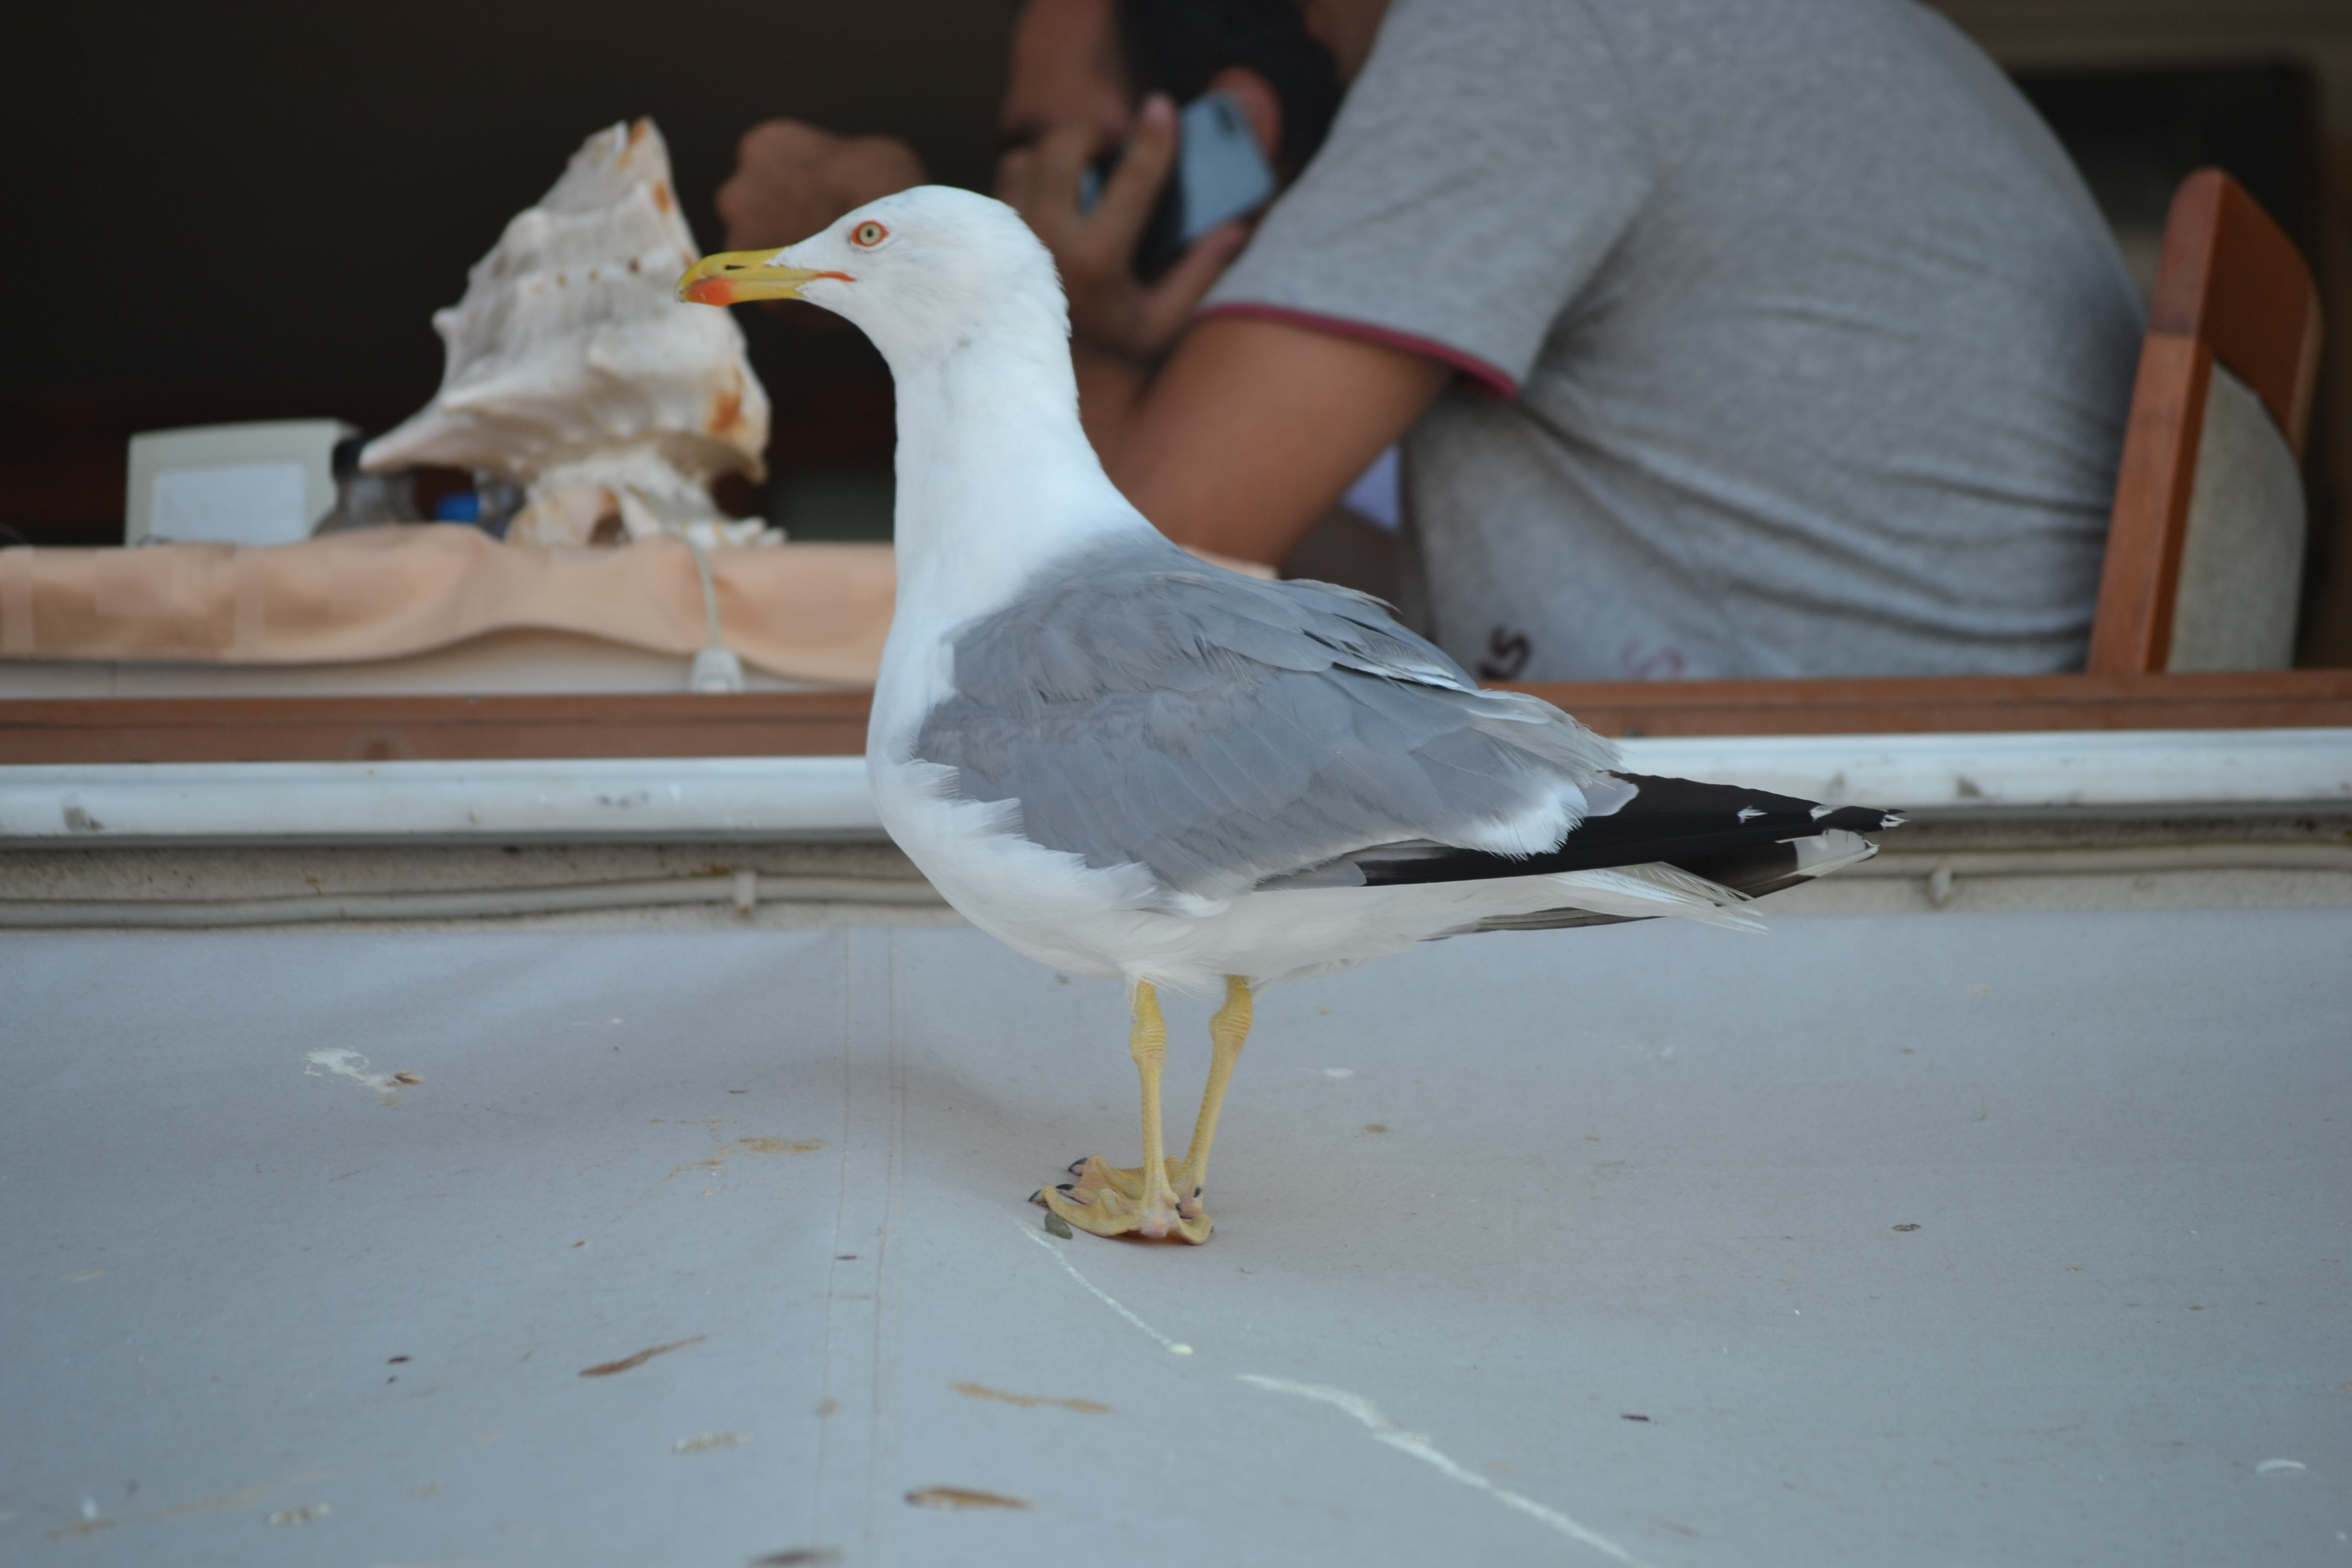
{"x":1746,"y":812}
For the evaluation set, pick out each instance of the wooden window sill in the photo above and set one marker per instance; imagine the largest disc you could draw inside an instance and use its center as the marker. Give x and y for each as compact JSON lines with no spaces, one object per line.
{"x":340,"y":729}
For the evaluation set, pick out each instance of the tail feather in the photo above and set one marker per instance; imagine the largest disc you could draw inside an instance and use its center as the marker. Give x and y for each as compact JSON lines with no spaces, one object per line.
{"x":1641,"y":892}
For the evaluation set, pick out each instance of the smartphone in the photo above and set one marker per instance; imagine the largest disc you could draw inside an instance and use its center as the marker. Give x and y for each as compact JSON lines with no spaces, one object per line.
{"x":1220,"y":176}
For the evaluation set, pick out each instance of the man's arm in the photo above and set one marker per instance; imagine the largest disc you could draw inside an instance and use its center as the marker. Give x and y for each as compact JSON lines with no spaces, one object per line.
{"x":1252,"y":429}
{"x":1235,"y":434}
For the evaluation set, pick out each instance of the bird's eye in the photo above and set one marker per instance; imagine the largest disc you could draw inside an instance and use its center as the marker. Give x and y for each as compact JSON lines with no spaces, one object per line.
{"x":868,"y":233}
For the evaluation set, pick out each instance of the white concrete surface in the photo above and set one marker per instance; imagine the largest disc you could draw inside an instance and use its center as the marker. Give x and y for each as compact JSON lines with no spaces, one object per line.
{"x":1567,"y":1247}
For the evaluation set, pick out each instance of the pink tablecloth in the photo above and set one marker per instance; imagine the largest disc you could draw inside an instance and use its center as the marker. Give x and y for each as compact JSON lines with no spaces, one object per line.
{"x":806,"y":612}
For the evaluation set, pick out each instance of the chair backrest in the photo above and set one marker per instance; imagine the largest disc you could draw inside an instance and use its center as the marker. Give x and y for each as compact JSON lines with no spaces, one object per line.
{"x":2205,"y":547}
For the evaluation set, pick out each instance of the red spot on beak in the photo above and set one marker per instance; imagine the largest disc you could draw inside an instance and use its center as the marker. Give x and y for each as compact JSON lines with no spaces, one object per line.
{"x":712,"y":292}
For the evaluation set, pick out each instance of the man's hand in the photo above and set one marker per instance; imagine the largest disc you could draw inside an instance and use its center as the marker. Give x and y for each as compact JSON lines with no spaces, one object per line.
{"x":1110,"y":308}
{"x":791,"y":179}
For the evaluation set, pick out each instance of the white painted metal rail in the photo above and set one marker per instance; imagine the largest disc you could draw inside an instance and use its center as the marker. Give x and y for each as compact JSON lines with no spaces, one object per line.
{"x":618,"y":798}
{"x":2034,"y":769}
{"x":648,"y":799}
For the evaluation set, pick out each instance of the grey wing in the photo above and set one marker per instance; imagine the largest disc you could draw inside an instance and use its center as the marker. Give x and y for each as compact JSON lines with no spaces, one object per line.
{"x":1144,"y":708}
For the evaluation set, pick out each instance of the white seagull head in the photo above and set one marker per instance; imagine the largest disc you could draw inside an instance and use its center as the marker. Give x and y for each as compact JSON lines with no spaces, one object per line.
{"x":922,"y":272}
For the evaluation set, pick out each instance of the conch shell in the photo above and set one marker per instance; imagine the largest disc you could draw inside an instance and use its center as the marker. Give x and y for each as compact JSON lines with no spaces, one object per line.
{"x":573,"y":370}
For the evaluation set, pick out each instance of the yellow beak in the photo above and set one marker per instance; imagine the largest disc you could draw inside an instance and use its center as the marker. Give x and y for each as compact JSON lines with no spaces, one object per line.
{"x":734,"y":276}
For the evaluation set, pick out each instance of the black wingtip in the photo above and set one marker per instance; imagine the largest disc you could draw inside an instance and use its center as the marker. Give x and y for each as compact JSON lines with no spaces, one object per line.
{"x":1729,"y":833}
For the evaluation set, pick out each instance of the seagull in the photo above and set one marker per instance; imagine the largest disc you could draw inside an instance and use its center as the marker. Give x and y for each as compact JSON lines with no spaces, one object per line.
{"x":1125,"y":761}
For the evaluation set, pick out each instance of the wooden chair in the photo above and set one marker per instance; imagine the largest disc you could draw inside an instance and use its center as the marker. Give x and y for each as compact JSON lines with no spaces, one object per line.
{"x":2205,"y":549}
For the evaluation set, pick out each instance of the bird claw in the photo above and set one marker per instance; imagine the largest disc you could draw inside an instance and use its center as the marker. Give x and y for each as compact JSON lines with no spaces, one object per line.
{"x":1109,"y":1200}
{"x":1095,"y":1175}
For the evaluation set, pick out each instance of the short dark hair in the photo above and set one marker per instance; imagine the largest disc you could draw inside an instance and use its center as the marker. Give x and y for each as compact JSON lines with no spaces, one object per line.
{"x":1175,"y":47}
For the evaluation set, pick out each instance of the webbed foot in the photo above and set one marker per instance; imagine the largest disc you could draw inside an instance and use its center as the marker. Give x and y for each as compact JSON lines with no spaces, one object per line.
{"x":1111,"y":1200}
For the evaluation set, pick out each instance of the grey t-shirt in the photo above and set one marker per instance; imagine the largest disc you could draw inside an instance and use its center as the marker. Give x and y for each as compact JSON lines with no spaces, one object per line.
{"x":1792,"y":342}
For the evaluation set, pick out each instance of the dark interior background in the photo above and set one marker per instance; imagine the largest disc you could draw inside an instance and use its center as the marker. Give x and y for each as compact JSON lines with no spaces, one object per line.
{"x":284,"y":191}
{"x":253,"y":213}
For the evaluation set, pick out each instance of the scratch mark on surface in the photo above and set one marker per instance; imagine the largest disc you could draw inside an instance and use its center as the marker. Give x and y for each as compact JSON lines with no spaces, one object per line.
{"x":710,"y":1442}
{"x":93,"y":1521}
{"x":85,"y":1276}
{"x":2280,"y":1467}
{"x":1419,"y":1448}
{"x":302,"y":1515}
{"x":244,"y":1497}
{"x":1100,"y":1294}
{"x":719,"y":1156}
{"x":1029,"y":1400}
{"x":963,"y":1496}
{"x":354,"y":1066}
{"x":607,"y":1368}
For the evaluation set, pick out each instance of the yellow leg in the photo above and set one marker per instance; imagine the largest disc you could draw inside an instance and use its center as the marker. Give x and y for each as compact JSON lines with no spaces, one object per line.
{"x":1147,"y":1043}
{"x":1149,"y":1209}
{"x":1228,"y":1031}
{"x":1107,"y":1193}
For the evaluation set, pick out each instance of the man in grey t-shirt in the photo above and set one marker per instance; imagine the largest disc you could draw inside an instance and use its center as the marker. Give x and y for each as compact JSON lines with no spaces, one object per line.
{"x":1733,"y":338}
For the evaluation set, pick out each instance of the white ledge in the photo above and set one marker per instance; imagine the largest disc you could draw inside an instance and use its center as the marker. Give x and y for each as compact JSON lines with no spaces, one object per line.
{"x":2038,"y":770}
{"x":642,"y":798}
{"x":788,"y":797}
